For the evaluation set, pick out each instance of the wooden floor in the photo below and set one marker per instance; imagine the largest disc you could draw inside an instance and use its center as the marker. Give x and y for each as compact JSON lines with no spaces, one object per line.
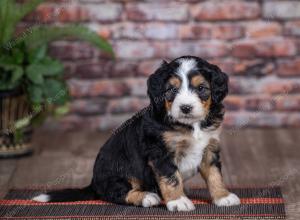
{"x":251,"y":157}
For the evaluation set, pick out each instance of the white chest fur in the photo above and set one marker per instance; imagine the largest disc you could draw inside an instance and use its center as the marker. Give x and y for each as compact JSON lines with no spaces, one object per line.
{"x":189,"y":163}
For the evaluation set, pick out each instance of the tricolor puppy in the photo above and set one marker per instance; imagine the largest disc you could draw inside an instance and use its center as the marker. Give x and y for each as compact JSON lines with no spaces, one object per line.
{"x":151,"y":155}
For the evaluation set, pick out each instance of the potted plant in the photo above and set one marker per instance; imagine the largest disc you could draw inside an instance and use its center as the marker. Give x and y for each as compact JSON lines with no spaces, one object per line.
{"x":31,"y":82}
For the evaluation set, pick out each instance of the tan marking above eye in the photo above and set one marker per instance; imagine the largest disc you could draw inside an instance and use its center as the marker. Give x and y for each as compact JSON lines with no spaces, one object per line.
{"x":175,"y":81}
{"x":197,"y":80}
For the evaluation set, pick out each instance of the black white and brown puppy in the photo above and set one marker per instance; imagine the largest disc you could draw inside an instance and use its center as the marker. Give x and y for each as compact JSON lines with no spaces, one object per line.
{"x":151,"y":155}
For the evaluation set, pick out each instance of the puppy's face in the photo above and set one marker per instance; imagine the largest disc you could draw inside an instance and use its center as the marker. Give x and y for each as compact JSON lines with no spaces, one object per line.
{"x":188,"y":93}
{"x":187,"y":89}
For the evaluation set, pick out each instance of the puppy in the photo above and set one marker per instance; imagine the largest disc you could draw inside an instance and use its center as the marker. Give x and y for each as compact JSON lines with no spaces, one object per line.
{"x":151,"y":155}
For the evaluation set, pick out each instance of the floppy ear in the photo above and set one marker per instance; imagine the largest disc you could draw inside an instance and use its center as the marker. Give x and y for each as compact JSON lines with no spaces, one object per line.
{"x":219,"y":85}
{"x":156,"y":86}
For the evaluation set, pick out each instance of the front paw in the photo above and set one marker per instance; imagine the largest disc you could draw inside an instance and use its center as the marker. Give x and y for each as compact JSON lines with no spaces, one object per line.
{"x":229,"y":200}
{"x":151,"y":199}
{"x":181,"y":204}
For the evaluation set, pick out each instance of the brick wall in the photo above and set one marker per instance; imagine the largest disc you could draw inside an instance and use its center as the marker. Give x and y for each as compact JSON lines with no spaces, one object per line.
{"x":256,"y":42}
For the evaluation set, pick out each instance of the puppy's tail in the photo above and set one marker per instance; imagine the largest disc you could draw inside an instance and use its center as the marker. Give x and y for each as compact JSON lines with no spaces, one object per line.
{"x":67,"y":195}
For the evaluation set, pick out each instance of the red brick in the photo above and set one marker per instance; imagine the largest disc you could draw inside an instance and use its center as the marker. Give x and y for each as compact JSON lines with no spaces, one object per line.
{"x":287,"y":102}
{"x":71,"y":14}
{"x":233,"y":103}
{"x":281,"y":87}
{"x":226,"y":65}
{"x":124,"y":68}
{"x":146,"y":68}
{"x":98,"y":69}
{"x":290,"y":67}
{"x":260,"y":103}
{"x":239,"y":85}
{"x":153,"y":11}
{"x":85,"y":107}
{"x":134,"y":50}
{"x":71,"y":50}
{"x":273,"y":47}
{"x":160,"y":31}
{"x":239,"y":120}
{"x":69,"y":69}
{"x":245,"y":67}
{"x":254,"y":67}
{"x":244,"y":49}
{"x":105,"y":69}
{"x":276,"y":47}
{"x":128,"y":30}
{"x":45,"y":13}
{"x":93,"y":88}
{"x":293,"y":120}
{"x":292,"y":28}
{"x":263,"y":29}
{"x":195,"y":31}
{"x":225,"y":10}
{"x":209,"y":31}
{"x":281,"y":9}
{"x":205,"y":50}
{"x":126,"y":105}
{"x":138,"y":86}
{"x":105,"y":12}
{"x":227,"y":31}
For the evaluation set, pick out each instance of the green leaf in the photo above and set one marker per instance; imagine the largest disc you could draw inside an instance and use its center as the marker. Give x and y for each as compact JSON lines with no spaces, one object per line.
{"x":23,"y":122}
{"x":43,"y":35}
{"x":55,"y":92}
{"x":7,"y":60}
{"x":35,"y":93}
{"x":34,"y":74}
{"x":46,"y":67}
{"x":61,"y":110}
{"x":17,"y":74}
{"x":7,"y":20}
{"x":54,"y":67}
{"x":18,"y":56}
{"x":37,"y":54}
{"x":18,"y":136}
{"x":28,"y":7}
{"x":39,"y":118}
{"x":11,"y":13}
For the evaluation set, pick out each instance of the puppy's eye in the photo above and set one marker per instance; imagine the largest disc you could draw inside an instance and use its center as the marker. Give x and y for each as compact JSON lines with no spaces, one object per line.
{"x":170,"y":93}
{"x":201,"y":88}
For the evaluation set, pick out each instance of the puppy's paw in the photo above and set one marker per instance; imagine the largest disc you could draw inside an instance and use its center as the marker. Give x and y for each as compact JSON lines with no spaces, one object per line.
{"x":229,"y":200}
{"x":151,"y":199}
{"x":41,"y":198}
{"x":181,"y":204}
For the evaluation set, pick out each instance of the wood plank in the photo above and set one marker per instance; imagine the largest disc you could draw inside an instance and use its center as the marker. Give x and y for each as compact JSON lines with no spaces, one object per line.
{"x":249,"y":156}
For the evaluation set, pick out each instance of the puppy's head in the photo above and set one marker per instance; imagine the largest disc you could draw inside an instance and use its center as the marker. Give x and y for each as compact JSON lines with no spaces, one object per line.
{"x":187,"y":88}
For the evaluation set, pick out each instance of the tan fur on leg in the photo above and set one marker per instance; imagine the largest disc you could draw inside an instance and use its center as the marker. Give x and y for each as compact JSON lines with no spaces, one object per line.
{"x":172,"y":187}
{"x":135,"y":196}
{"x":211,"y":173}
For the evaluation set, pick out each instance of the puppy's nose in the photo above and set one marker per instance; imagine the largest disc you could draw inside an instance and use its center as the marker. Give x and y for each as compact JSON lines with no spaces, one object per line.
{"x":186,"y":109}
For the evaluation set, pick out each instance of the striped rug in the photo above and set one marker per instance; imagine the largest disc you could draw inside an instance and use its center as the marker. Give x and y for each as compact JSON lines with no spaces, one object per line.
{"x":256,"y":203}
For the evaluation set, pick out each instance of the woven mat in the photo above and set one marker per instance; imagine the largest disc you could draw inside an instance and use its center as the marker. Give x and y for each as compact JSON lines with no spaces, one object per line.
{"x":257,"y":203}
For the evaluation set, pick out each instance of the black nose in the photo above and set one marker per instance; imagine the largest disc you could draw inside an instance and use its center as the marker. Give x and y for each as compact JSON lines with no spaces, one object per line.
{"x":186,"y":108}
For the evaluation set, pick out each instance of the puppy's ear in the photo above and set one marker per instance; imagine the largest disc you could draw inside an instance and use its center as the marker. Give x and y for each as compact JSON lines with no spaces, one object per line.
{"x":156,"y":86}
{"x":219,"y":85}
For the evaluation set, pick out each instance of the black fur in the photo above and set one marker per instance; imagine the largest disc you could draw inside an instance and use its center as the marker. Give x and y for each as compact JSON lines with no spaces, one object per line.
{"x":138,"y":143}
